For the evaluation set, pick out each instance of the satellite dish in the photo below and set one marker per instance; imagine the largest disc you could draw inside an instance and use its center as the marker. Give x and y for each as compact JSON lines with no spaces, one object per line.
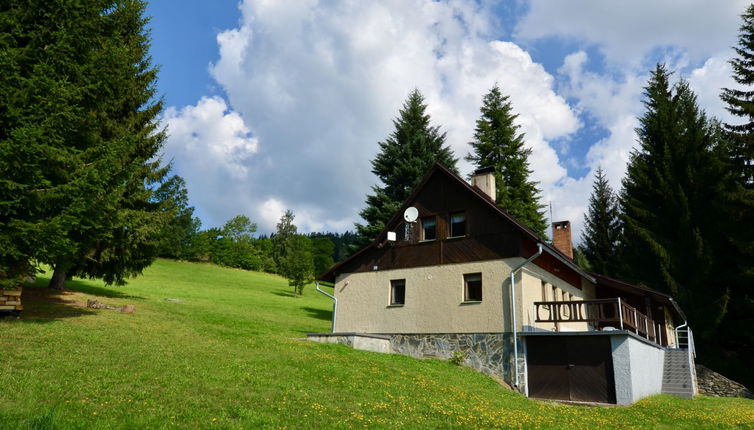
{"x":410,"y":214}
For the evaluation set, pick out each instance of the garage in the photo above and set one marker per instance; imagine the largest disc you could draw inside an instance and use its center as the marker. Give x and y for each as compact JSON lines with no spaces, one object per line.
{"x":570,"y":367}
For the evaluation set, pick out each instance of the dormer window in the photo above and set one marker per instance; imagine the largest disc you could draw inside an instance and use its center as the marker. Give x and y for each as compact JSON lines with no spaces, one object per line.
{"x":457,"y":224}
{"x":429,"y":228}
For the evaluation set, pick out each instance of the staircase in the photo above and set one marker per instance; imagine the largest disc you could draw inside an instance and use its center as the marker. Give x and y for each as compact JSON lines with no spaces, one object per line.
{"x":679,"y":373}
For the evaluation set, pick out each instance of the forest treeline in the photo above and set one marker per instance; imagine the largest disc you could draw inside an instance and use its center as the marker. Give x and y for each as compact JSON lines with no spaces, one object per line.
{"x":237,"y":244}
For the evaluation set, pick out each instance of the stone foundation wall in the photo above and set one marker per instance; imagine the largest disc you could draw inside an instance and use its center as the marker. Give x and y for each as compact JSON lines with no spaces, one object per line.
{"x":711,"y":383}
{"x":490,"y":353}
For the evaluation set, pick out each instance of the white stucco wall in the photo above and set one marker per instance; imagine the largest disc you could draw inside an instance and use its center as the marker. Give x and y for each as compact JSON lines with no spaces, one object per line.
{"x":434,"y":299}
{"x":638,"y":368}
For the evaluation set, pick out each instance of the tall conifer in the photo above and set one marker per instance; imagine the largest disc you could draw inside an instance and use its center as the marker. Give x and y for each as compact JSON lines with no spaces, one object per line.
{"x":499,"y":144}
{"x":404,"y":158}
{"x":78,"y":138}
{"x":601,"y":227}
{"x":740,"y":101}
{"x":671,"y":199}
{"x":737,"y":329}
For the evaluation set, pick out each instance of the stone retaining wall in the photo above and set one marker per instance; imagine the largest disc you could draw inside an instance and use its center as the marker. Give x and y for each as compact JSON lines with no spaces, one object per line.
{"x":711,"y":383}
{"x":490,"y":353}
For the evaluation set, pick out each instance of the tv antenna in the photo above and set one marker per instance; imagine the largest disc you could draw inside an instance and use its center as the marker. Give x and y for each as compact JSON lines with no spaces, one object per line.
{"x":410,"y":215}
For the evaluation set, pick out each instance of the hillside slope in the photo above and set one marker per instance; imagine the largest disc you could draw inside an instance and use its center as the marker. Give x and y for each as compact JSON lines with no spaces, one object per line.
{"x":222,"y":353}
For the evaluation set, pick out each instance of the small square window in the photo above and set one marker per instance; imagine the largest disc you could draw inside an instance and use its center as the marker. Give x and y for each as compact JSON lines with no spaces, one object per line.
{"x":458,"y":224}
{"x":398,"y":292}
{"x":472,"y":287}
{"x":429,"y":228}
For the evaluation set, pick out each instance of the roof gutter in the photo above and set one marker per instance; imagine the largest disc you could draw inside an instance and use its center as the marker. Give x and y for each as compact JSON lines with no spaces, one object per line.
{"x":513,"y":308}
{"x":678,"y":309}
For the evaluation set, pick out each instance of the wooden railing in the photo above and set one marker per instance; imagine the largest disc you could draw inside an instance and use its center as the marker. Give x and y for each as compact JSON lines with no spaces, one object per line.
{"x":603,"y":312}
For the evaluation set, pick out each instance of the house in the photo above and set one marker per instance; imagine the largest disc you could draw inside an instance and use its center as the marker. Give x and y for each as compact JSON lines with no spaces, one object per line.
{"x":453,"y":272}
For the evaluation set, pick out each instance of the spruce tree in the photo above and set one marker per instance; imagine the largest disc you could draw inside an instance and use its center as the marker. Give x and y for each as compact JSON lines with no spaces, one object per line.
{"x":741,"y":102}
{"x":499,"y":144}
{"x":78,"y":138}
{"x":404,"y":157}
{"x":601,"y":227}
{"x":737,"y":329}
{"x":671,"y":202}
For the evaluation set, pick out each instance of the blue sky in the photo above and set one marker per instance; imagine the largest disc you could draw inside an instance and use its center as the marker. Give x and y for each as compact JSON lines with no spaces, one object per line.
{"x":273,"y":105}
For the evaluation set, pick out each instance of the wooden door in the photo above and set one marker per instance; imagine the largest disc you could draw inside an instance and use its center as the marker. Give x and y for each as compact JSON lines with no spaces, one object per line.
{"x":576,"y":368}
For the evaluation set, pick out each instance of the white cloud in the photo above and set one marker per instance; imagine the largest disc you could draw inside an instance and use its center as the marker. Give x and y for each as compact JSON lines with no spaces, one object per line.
{"x":707,"y":81}
{"x":318,"y":83}
{"x":210,"y":147}
{"x":627,"y":31}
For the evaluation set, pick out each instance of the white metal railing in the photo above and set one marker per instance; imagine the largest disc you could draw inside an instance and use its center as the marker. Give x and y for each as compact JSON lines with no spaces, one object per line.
{"x":684,"y":339}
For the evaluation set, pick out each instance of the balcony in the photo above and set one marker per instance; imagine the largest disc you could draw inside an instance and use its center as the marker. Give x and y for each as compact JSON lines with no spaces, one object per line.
{"x":602,"y":314}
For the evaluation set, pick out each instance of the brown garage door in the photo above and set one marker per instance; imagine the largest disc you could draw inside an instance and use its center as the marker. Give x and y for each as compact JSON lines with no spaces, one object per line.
{"x":578,"y":368}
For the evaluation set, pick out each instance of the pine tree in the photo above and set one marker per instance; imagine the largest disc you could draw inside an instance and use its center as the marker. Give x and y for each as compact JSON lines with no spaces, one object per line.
{"x":741,"y":102}
{"x":498,"y":144}
{"x":671,"y":202}
{"x":601,"y":227}
{"x":737,"y":329}
{"x":405,"y":156}
{"x":78,"y":138}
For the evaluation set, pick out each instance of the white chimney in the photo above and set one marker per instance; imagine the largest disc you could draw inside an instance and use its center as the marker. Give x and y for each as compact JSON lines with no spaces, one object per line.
{"x":484,"y":179}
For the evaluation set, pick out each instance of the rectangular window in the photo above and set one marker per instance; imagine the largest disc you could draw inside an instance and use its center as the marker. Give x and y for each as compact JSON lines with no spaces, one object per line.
{"x":429,"y":228}
{"x":472,"y":287}
{"x":398,"y":292}
{"x":544,"y":291}
{"x":458,"y":224}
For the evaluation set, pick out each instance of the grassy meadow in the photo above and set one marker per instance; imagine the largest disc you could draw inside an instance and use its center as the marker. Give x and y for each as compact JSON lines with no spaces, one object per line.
{"x":226,"y":354}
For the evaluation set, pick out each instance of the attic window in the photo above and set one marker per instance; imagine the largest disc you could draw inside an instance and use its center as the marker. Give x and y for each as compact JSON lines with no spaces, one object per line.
{"x":397,"y":292}
{"x":429,"y":228}
{"x":458,"y":224}
{"x":472,"y":287}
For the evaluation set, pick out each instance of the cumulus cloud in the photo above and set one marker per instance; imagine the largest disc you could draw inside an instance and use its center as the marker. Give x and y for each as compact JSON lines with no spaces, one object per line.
{"x":210,"y":147}
{"x":312,"y":86}
{"x":707,"y":82}
{"x":626,"y":32}
{"x":318,"y":83}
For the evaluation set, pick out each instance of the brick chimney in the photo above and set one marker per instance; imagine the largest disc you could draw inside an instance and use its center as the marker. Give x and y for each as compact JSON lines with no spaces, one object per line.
{"x":484,"y":179}
{"x":561,"y":237}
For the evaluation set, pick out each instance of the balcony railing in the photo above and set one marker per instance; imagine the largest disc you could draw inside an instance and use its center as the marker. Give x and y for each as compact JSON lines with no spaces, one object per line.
{"x":602,"y":313}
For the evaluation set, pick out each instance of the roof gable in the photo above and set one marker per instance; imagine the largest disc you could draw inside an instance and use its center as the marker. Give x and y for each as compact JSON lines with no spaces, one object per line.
{"x":440,"y":191}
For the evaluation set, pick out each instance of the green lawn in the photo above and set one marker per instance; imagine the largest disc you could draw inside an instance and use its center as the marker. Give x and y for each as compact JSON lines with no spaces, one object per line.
{"x":227,"y":357}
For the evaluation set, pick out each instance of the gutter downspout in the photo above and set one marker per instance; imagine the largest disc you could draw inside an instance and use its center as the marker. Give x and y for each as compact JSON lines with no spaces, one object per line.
{"x":334,"y":307}
{"x":685,"y":322}
{"x":689,"y":344}
{"x":513,"y":308}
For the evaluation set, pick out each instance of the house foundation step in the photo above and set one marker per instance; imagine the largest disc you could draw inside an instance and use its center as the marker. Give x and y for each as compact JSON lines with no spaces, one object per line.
{"x":678,"y":377}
